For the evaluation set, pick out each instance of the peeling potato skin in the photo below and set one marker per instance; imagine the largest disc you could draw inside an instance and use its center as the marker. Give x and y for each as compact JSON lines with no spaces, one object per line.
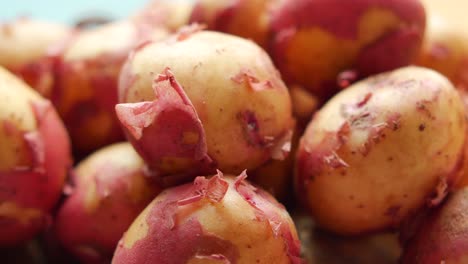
{"x":381,"y":150}
{"x":311,"y":48}
{"x":86,"y":81}
{"x":442,"y":236}
{"x":245,"y":18}
{"x":223,"y":219}
{"x":25,"y":46}
{"x":32,"y":168}
{"x":110,"y":188}
{"x":238,"y":97}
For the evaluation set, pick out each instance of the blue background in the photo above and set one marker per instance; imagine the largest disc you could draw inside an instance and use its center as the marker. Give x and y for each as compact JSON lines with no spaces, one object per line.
{"x":67,"y":11}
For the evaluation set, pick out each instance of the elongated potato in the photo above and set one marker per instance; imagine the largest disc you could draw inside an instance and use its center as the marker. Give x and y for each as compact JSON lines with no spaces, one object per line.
{"x":87,"y":76}
{"x":25,"y":46}
{"x":204,"y":100}
{"x":218,"y":220}
{"x":34,"y":160}
{"x":442,"y":237}
{"x":313,"y":41}
{"x":110,"y":190}
{"x":381,"y":150}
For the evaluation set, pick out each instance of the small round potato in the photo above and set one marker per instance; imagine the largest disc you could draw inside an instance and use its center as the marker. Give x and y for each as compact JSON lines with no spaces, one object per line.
{"x":25,"y":46}
{"x":445,"y":46}
{"x":381,"y":150}
{"x":110,"y":189}
{"x":442,"y":237}
{"x":313,"y":41}
{"x":168,"y":14}
{"x":87,"y":76}
{"x":216,"y":220}
{"x":204,"y":100}
{"x":34,"y":159}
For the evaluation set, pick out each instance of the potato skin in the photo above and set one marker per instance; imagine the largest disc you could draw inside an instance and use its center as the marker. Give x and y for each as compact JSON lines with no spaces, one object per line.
{"x":218,"y":220}
{"x":87,"y":77}
{"x":442,"y":236}
{"x":311,"y":48}
{"x":27,"y":49}
{"x":34,"y":159}
{"x":381,"y":150}
{"x":110,"y":189}
{"x":245,"y":18}
{"x":188,"y":112}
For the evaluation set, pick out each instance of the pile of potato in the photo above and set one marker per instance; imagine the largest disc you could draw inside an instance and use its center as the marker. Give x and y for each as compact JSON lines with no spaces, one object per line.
{"x":166,"y":136}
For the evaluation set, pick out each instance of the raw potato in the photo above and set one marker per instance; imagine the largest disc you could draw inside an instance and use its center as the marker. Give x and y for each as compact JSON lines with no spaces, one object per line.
{"x":245,"y":18}
{"x":34,"y":160}
{"x":381,"y":150}
{"x":86,"y":91}
{"x":313,"y":41}
{"x":204,"y":100}
{"x":445,"y":49}
{"x":443,"y":235}
{"x":110,"y":190}
{"x":218,"y":220}
{"x":25,"y":47}
{"x":168,"y":14}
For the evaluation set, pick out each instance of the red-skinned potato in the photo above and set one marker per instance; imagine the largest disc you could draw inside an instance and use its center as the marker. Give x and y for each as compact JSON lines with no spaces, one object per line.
{"x":442,"y":236}
{"x":245,"y":18}
{"x":26,"y":47}
{"x":223,"y":219}
{"x":381,"y":150}
{"x":168,"y":14}
{"x":313,"y":41}
{"x":34,"y":160}
{"x":187,"y":113}
{"x":445,"y":46}
{"x":110,"y":189}
{"x":87,"y":76}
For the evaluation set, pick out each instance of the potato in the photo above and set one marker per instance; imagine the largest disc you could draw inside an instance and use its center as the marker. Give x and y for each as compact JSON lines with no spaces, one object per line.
{"x":110,"y":190}
{"x":86,"y":90}
{"x":442,"y":236}
{"x":203,"y":100}
{"x":34,"y":159}
{"x":218,"y":220}
{"x":381,"y":150}
{"x":25,"y":46}
{"x":445,"y":47}
{"x":245,"y":18}
{"x":314,"y":40}
{"x":168,"y":14}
